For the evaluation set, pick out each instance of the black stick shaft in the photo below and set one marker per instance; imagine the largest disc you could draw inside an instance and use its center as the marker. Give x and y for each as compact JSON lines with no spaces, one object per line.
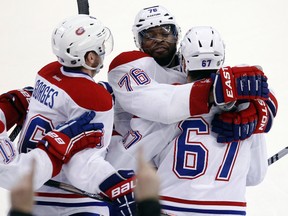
{"x":15,"y":132}
{"x":83,"y":6}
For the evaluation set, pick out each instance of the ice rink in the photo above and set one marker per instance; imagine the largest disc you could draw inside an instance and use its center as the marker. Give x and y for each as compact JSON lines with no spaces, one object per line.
{"x":255,"y":33}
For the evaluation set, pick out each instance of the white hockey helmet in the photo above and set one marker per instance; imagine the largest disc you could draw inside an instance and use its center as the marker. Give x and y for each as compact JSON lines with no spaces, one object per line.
{"x":76,"y":36}
{"x":202,"y":49}
{"x":152,"y":17}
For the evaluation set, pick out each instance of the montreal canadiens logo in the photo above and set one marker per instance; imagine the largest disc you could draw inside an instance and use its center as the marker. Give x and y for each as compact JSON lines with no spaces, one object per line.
{"x":80,"y":31}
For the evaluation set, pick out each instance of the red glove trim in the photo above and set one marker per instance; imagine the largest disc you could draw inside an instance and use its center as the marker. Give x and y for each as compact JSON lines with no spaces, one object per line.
{"x":263,"y":115}
{"x":228,"y":84}
{"x":56,"y":163}
{"x":58,"y":144}
{"x":2,"y":127}
{"x":11,"y":114}
{"x":199,"y":97}
{"x":16,"y":112}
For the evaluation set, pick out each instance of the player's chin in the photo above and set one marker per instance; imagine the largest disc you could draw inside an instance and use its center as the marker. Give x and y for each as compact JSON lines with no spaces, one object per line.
{"x":160,"y":53}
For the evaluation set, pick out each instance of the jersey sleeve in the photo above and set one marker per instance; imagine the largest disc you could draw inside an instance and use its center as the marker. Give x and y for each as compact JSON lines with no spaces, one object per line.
{"x":12,"y":172}
{"x":87,"y":169}
{"x":258,"y":163}
{"x":13,"y":165}
{"x":140,"y":87}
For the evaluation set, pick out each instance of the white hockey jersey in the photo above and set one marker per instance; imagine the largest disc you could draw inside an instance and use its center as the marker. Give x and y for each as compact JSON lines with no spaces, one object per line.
{"x":202,"y":177}
{"x":142,"y":88}
{"x":198,"y":176}
{"x":146,"y":113}
{"x":12,"y":166}
{"x":60,"y":96}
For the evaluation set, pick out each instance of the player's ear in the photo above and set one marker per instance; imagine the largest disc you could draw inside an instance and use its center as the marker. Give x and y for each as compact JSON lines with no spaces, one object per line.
{"x":89,"y":57}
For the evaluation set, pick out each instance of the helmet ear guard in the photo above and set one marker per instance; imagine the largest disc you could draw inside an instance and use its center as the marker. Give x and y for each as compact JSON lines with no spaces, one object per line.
{"x":76,"y":36}
{"x":152,"y":17}
{"x":202,"y":49}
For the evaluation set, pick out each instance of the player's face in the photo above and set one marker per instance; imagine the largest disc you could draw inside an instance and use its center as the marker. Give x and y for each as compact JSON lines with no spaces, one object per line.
{"x":160,"y":43}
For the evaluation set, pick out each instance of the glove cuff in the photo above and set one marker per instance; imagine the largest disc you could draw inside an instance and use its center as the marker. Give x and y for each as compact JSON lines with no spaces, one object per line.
{"x":56,"y":163}
{"x":2,"y":127}
{"x":224,"y":86}
{"x":263,"y":116}
{"x":19,"y":99}
{"x":199,"y":97}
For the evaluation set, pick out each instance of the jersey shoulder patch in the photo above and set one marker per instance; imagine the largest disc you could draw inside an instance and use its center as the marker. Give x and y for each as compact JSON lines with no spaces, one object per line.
{"x":91,"y":96}
{"x":126,"y":57}
{"x":49,"y":67}
{"x":85,"y":92}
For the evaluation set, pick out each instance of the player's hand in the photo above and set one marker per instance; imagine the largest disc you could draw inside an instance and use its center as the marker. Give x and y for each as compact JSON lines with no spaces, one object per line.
{"x":19,"y":99}
{"x":148,"y":182}
{"x":234,"y":83}
{"x":22,"y":194}
{"x":69,"y":138}
{"x":240,"y":125}
{"x":119,"y":188}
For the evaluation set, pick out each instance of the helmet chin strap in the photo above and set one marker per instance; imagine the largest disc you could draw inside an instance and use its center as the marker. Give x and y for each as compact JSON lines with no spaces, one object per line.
{"x":96,"y":69}
{"x":173,"y":57}
{"x":166,"y":63}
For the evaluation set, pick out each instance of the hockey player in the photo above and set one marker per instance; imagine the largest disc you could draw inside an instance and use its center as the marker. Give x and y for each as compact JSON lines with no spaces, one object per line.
{"x":188,"y":161}
{"x":141,"y":82}
{"x":52,"y":151}
{"x":141,"y":91}
{"x":187,"y":94}
{"x":63,"y":90}
{"x":198,"y":175}
{"x":13,"y":107}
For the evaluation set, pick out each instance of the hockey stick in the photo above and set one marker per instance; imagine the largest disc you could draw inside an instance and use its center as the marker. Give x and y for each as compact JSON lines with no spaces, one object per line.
{"x":83,"y":7}
{"x":15,"y":132}
{"x":72,"y":189}
{"x":277,"y":156}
